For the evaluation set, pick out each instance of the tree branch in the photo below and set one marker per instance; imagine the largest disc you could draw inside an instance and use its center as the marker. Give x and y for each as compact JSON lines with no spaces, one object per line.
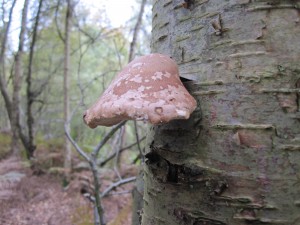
{"x":103,"y":162}
{"x":75,"y":145}
{"x":106,"y":138}
{"x":56,"y":21}
{"x":136,"y":30}
{"x":117,"y":184}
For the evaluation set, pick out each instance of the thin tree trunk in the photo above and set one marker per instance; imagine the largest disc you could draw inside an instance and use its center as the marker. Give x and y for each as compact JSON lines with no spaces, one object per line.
{"x":11,"y":107}
{"x":236,"y":161}
{"x":68,"y":152}
{"x":29,"y":91}
{"x":17,"y":81}
{"x":3,"y":86}
{"x":136,"y":30}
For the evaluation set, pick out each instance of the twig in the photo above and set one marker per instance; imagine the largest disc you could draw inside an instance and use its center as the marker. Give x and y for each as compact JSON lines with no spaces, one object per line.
{"x":57,"y":23}
{"x":89,"y":197}
{"x":117,"y":184}
{"x":98,"y":206}
{"x":119,"y":193}
{"x":76,"y":146}
{"x":96,"y":216}
{"x":106,"y":138}
{"x":136,"y":30}
{"x":103,"y":162}
{"x":118,"y":54}
{"x":138,"y":141}
{"x":117,"y":153}
{"x":137,"y":158}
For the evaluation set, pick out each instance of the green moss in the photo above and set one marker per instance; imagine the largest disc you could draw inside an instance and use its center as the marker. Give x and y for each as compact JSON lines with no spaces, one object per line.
{"x":51,"y":144}
{"x":5,"y":140}
{"x":82,"y":216}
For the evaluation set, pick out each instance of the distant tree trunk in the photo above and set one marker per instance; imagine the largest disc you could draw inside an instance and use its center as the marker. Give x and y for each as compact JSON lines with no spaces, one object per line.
{"x":30,"y":94}
{"x":136,"y":30}
{"x":12,"y":104}
{"x":3,"y":85}
{"x":17,"y":81}
{"x":68,"y":152}
{"x":236,"y":161}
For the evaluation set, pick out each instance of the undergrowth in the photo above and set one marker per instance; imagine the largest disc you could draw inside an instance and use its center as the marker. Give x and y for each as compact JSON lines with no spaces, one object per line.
{"x":5,"y":140}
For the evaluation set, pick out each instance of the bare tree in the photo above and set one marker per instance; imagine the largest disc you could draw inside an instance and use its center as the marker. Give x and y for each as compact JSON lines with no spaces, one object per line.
{"x":3,"y":82}
{"x":68,"y":152}
{"x":99,"y":216}
{"x":13,"y":103}
{"x":31,"y":95}
{"x":17,"y":81}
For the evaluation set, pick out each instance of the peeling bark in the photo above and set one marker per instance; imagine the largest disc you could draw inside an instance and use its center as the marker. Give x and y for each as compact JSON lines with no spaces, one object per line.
{"x":236,"y":160}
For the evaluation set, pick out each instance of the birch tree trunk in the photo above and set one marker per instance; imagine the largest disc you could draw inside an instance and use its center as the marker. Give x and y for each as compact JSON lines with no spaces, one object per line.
{"x":237,"y":159}
{"x":15,"y":106}
{"x":3,"y":81}
{"x":68,"y":152}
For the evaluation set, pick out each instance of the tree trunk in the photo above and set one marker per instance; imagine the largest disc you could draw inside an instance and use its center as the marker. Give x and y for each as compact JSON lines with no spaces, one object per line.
{"x":237,"y":159}
{"x":17,"y":81}
{"x":12,"y":103}
{"x":3,"y":84}
{"x":30,"y":94}
{"x":136,"y":31}
{"x":68,"y":152}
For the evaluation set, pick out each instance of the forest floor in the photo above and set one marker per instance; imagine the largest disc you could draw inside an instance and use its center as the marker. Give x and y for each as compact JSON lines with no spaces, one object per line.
{"x":28,"y":197}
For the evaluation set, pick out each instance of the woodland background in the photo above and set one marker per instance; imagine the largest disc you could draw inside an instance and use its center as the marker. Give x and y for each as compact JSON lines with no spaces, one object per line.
{"x":235,"y":161}
{"x":57,"y":57}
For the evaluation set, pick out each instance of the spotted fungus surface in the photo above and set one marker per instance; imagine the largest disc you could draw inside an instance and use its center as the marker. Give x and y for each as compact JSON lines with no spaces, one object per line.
{"x":147,"y":89}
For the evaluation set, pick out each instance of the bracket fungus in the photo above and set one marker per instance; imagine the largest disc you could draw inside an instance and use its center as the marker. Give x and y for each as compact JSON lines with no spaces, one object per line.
{"x":147,"y":89}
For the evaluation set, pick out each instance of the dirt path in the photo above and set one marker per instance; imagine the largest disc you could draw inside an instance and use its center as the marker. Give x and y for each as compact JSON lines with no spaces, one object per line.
{"x":27,"y":199}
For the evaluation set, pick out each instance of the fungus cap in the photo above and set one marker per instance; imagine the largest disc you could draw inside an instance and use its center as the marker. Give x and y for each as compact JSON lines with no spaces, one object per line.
{"x":147,"y":89}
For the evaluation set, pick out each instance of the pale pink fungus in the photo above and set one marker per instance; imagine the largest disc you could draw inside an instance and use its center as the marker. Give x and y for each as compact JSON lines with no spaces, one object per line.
{"x":147,"y":89}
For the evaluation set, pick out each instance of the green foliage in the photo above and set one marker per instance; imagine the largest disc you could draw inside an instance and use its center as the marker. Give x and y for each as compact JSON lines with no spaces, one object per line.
{"x":49,"y":154}
{"x":53,"y":144}
{"x":5,"y":140}
{"x":82,"y":216}
{"x":123,"y":215}
{"x":98,"y":52}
